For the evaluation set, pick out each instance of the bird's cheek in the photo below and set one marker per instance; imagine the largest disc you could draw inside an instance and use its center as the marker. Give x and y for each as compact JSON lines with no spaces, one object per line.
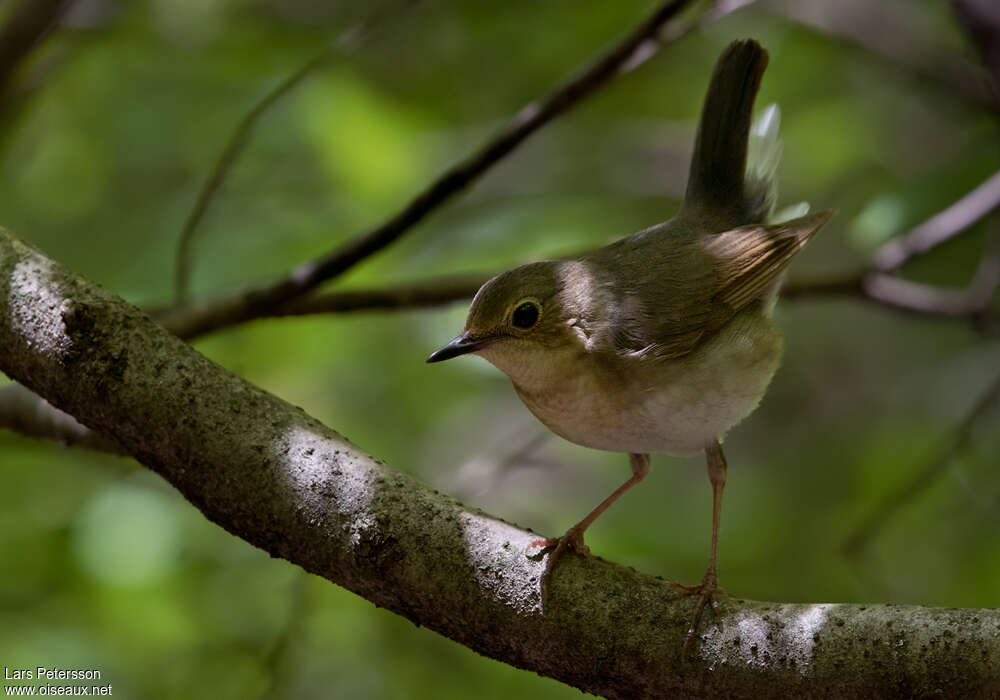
{"x":504,"y":358}
{"x":491,"y":354}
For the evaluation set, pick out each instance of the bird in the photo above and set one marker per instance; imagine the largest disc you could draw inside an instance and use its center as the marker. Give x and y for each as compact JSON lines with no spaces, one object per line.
{"x":663,"y":340}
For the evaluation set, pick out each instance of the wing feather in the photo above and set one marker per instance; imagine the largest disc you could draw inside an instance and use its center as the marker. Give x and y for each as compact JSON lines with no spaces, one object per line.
{"x":750,"y":259}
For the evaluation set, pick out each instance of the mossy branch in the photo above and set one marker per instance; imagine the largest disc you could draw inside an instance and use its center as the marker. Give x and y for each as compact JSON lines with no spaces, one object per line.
{"x":274,"y":476}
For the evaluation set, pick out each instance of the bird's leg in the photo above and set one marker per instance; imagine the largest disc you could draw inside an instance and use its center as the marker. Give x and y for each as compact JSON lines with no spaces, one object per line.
{"x":710,"y":582}
{"x":573,"y":539}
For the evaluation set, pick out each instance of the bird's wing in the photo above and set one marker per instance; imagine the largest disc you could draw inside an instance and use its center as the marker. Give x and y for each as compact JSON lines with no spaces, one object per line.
{"x":653,"y":292}
{"x":667,"y":301}
{"x":749,"y":259}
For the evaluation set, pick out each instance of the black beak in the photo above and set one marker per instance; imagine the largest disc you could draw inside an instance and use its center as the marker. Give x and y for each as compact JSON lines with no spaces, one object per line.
{"x":459,"y":346}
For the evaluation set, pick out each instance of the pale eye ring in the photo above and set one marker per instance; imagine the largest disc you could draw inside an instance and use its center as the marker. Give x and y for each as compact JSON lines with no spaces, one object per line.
{"x":525,"y":315}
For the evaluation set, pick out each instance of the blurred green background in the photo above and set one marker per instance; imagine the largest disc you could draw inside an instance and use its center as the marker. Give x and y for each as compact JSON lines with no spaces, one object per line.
{"x":116,"y":121}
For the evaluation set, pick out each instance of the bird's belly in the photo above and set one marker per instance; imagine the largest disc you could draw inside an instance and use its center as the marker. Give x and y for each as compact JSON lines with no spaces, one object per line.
{"x":675,"y":407}
{"x":675,"y":419}
{"x":579,"y":410}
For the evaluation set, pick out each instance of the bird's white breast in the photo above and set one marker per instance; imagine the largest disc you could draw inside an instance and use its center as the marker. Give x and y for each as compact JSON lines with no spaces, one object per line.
{"x":633,"y":404}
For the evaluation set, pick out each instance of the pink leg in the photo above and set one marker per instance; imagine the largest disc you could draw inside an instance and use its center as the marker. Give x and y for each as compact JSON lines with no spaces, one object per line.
{"x":573,"y":539}
{"x":706,"y":590}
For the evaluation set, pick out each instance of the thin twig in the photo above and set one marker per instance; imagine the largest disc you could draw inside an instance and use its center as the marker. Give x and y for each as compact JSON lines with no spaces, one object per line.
{"x":232,"y":150}
{"x":845,"y":286}
{"x":970,"y":303}
{"x":973,"y":302}
{"x":941,"y":227}
{"x":307,"y":276}
{"x":957,"y":442}
{"x":418,"y":295}
{"x":528,"y":120}
{"x":189,"y":321}
{"x":345,"y":45}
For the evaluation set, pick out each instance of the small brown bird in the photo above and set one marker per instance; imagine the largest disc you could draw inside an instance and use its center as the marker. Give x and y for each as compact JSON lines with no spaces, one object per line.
{"x":663,"y":340}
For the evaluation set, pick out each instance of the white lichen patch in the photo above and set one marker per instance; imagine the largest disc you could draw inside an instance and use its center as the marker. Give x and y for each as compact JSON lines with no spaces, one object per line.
{"x":497,"y":554}
{"x":37,"y":306}
{"x":312,"y":463}
{"x":784,"y":637}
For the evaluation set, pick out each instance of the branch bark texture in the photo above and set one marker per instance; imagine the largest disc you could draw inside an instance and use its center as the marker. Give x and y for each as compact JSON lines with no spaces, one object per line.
{"x":274,"y":476}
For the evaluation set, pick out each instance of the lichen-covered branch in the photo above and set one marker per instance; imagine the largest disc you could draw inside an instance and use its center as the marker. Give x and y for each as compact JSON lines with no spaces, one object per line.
{"x":276,"y":477}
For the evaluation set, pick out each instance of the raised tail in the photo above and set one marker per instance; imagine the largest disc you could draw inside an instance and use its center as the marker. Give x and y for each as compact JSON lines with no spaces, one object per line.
{"x":717,"y":184}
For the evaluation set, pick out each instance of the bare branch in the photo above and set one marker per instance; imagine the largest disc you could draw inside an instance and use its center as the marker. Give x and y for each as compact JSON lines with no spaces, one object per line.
{"x":941,"y":227}
{"x":973,"y":303}
{"x":348,"y":42}
{"x":256,"y":302}
{"x":956,"y":443}
{"x":186,"y":321}
{"x":276,"y":477}
{"x":970,"y":303}
{"x":427,"y":293}
{"x":189,"y":321}
{"x":27,"y":414}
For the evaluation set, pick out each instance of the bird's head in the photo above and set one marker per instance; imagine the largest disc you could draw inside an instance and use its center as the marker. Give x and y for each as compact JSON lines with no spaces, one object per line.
{"x":517,"y":319}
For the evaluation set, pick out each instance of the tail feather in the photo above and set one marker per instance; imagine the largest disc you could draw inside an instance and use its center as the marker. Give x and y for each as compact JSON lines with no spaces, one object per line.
{"x":763,"y":156}
{"x":718,"y":167}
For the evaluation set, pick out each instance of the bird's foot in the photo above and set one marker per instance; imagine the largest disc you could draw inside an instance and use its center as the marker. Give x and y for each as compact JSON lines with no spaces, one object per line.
{"x":706,"y":592}
{"x":572,"y":540}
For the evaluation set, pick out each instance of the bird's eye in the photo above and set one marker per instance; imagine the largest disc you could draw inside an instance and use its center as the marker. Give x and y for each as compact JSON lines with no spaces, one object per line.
{"x":525,"y":315}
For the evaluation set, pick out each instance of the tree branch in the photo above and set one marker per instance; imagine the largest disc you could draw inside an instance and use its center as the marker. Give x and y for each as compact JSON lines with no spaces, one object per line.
{"x":348,"y":42}
{"x":970,"y":303}
{"x":874,"y":284}
{"x":27,"y":414}
{"x":941,"y":227}
{"x":272,"y":475}
{"x":973,"y":303}
{"x":412,"y":295}
{"x":256,"y":302}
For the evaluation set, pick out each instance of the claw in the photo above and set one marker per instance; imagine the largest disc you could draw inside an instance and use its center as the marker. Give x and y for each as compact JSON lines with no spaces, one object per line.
{"x":706,"y":592}
{"x":572,"y":540}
